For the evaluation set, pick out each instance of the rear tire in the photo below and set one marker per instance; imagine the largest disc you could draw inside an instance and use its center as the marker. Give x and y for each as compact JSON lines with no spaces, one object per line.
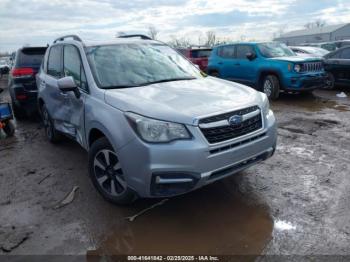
{"x":271,"y":87}
{"x":9,"y":128}
{"x":214,"y":74}
{"x":107,"y":175}
{"x":51,"y":133}
{"x":18,"y":112}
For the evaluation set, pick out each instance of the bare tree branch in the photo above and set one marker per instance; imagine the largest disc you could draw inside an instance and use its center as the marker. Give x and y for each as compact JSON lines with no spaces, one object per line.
{"x":153,"y":32}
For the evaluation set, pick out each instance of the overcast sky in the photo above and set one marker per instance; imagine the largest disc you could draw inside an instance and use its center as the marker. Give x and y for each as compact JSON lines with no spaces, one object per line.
{"x":38,"y":22}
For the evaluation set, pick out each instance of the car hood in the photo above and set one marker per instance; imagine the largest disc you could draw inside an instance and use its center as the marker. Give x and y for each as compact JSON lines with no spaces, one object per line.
{"x":297,"y":59}
{"x":183,"y":101}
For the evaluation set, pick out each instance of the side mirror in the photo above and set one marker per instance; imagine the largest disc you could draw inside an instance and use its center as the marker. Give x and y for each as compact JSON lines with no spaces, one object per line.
{"x":1,"y":90}
{"x":67,"y":84}
{"x":251,"y":56}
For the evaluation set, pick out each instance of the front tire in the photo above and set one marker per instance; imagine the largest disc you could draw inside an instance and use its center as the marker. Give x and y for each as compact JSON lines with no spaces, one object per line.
{"x":271,"y":87}
{"x":107,"y":175}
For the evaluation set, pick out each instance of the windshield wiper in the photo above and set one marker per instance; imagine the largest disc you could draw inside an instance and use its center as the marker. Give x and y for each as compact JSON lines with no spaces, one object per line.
{"x":149,"y":83}
{"x":167,"y":80}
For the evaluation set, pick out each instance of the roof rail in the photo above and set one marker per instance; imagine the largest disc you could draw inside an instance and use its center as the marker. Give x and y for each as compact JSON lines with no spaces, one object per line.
{"x":75,"y":37}
{"x":144,"y":37}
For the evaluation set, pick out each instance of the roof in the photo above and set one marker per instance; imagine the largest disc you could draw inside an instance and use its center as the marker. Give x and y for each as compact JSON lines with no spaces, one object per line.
{"x":314,"y":31}
{"x":117,"y":40}
{"x":244,"y":43}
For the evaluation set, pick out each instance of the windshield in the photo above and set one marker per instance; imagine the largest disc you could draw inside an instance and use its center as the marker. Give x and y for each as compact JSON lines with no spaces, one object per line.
{"x":274,"y":49}
{"x":137,"y":64}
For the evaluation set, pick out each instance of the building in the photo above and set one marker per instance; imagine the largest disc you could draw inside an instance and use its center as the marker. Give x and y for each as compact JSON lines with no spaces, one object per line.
{"x":316,"y":35}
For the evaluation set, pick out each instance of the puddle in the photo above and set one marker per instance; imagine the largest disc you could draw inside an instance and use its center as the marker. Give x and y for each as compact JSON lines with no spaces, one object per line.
{"x":313,"y":102}
{"x":210,"y":221}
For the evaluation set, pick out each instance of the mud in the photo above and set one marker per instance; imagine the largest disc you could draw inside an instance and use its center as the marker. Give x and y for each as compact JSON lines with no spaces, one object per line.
{"x":210,"y":221}
{"x":296,"y":203}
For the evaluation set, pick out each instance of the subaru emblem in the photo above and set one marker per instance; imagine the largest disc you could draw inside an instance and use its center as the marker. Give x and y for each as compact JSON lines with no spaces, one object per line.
{"x":235,"y":120}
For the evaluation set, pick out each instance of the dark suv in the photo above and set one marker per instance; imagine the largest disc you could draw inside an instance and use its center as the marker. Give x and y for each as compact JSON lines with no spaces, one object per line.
{"x":21,"y":82}
{"x":337,"y":66}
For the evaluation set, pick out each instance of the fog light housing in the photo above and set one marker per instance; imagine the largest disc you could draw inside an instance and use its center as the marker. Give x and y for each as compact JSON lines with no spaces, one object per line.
{"x":172,"y":183}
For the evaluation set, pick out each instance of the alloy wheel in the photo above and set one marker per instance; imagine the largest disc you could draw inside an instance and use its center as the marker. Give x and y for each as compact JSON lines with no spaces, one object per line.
{"x":108,"y":173}
{"x":47,"y":123}
{"x":268,"y":88}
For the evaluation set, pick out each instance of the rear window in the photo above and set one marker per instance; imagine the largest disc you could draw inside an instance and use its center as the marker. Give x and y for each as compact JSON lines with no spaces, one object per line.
{"x":30,"y":57}
{"x":201,"y":53}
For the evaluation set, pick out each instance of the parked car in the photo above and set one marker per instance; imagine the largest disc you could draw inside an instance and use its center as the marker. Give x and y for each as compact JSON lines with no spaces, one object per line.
{"x":4,"y":66}
{"x":198,"y":56}
{"x":269,"y":67}
{"x":153,"y":125}
{"x":337,"y":66}
{"x":329,"y":46}
{"x":308,"y":51}
{"x":21,"y":81}
{"x":342,"y":43}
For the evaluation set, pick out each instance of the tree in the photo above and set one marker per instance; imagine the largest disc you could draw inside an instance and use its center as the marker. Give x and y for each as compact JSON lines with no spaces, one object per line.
{"x":153,"y":32}
{"x":181,"y":42}
{"x":316,"y":24}
{"x":210,"y":38}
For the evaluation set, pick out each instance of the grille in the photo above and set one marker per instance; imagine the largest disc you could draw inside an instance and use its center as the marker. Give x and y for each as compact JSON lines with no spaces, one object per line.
{"x":225,"y":148}
{"x":223,"y":133}
{"x":312,"y":67}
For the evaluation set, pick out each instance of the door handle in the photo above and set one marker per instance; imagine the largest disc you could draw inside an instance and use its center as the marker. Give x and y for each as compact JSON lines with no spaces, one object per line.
{"x":237,"y":64}
{"x":220,"y":63}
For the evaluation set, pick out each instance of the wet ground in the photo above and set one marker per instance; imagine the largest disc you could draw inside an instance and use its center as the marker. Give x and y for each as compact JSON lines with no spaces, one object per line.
{"x":296,"y":203}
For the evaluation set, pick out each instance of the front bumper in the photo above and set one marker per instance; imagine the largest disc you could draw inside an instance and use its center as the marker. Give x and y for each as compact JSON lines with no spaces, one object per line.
{"x":159,"y":170}
{"x":307,"y":82}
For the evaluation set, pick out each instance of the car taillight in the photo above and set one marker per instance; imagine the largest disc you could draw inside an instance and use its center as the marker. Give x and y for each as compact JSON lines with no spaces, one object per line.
{"x":22,"y":72}
{"x":21,"y":97}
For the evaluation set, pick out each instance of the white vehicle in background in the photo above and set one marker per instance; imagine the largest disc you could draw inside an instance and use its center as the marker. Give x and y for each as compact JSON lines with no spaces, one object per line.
{"x":309,"y":51}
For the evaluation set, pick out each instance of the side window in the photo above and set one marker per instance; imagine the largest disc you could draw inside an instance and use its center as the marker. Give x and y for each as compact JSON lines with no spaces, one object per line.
{"x":226,"y":51}
{"x":54,"y":64}
{"x":73,"y":66}
{"x":345,"y":54}
{"x":242,"y":51}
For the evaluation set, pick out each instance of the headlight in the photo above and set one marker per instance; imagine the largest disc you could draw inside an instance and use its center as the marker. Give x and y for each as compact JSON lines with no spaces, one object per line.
{"x":266,"y":103}
{"x":157,"y":131}
{"x":297,"y":68}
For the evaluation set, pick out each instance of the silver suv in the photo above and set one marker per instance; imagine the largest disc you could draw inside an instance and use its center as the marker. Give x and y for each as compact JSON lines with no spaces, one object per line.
{"x":153,"y":124}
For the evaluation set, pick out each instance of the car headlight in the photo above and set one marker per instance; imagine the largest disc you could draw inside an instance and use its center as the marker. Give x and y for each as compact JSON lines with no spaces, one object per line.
{"x":297,"y":68}
{"x":157,"y":131}
{"x":266,"y":104}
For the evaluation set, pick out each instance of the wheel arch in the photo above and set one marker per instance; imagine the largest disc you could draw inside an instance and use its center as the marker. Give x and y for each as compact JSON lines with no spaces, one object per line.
{"x":96,"y":131}
{"x":266,"y":72}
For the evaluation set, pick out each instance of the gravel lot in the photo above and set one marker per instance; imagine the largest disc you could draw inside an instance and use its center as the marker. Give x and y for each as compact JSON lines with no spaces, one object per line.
{"x":296,"y":203}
